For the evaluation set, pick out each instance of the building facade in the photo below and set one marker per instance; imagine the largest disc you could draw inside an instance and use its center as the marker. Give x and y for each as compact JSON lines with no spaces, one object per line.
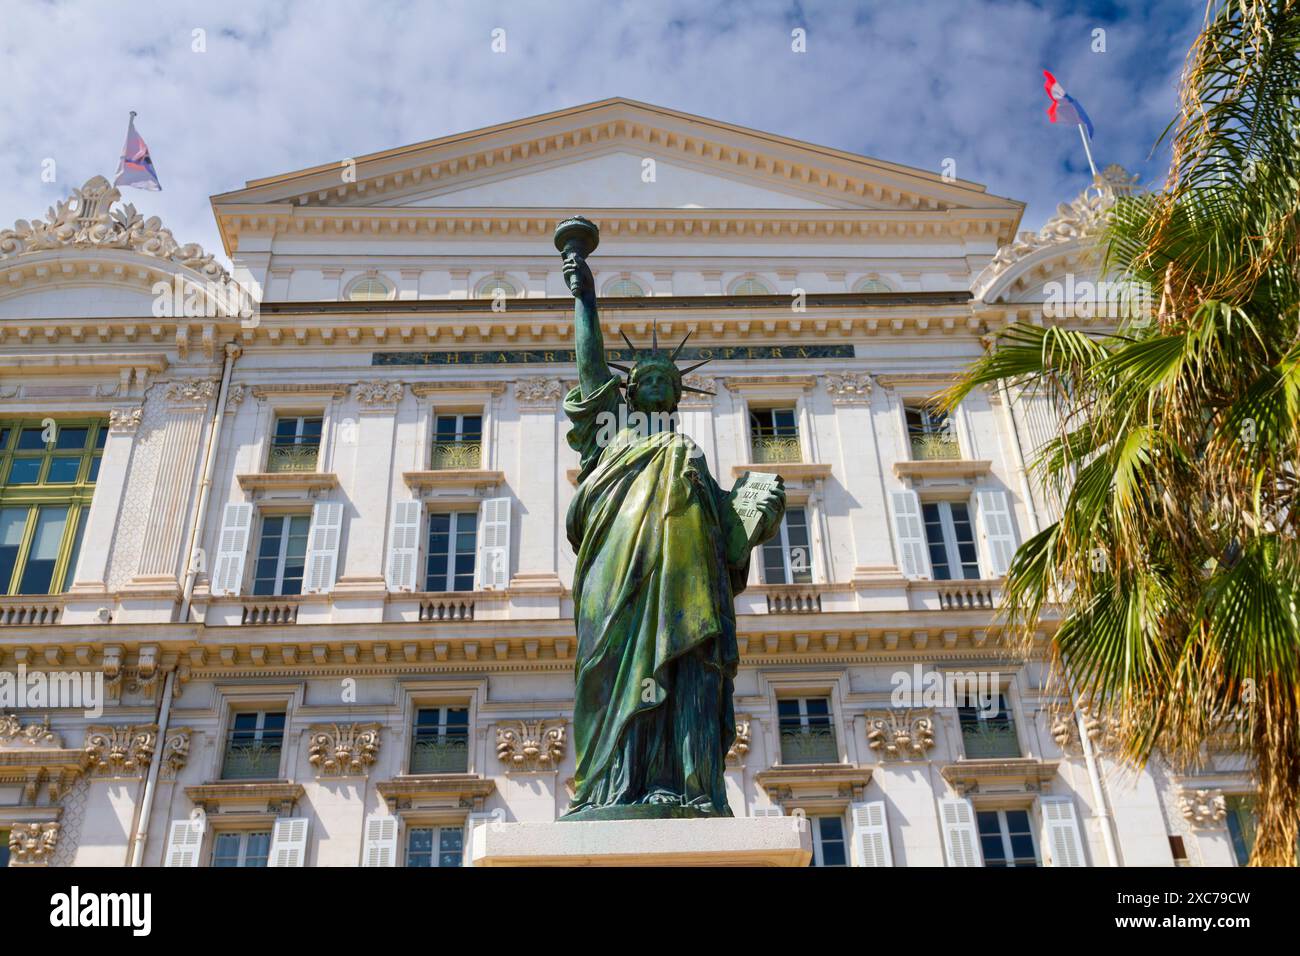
{"x":314,"y":550}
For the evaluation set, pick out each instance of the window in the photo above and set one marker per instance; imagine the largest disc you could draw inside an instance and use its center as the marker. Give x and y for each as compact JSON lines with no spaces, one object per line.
{"x":951,"y":540}
{"x":623,"y":288}
{"x":1241,"y":827}
{"x":369,"y":289}
{"x":829,"y":848}
{"x":452,"y":544}
{"x":494,"y":286}
{"x":253,"y":746}
{"x":774,"y":435}
{"x":807,"y":735}
{"x":434,"y":846}
{"x":787,"y":556}
{"x":47,"y":481}
{"x":296,"y":444}
{"x":241,"y":848}
{"x":871,"y":285}
{"x":441,"y":740}
{"x":457,"y":441}
{"x":988,"y":734}
{"x":4,"y":848}
{"x":750,"y":285}
{"x":281,"y":555}
{"x":931,"y":434}
{"x":1006,"y":838}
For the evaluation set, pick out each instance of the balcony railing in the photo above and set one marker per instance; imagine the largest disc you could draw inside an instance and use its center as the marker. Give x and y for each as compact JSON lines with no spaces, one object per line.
{"x":809,"y":745}
{"x":252,"y":759}
{"x":775,"y":448}
{"x":984,"y":739}
{"x":446,"y":609}
{"x":447,"y":754}
{"x":793,"y":599}
{"x":273,"y":612}
{"x":456,"y":455}
{"x":966,"y":595}
{"x":938,"y":446}
{"x":292,"y":457}
{"x":30,"y":610}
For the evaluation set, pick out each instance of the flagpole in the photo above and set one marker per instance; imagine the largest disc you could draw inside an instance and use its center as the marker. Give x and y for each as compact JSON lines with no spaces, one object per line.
{"x":1083,"y":135}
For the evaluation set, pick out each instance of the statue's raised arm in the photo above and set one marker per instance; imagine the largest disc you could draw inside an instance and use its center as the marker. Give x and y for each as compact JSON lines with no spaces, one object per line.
{"x":577,"y":238}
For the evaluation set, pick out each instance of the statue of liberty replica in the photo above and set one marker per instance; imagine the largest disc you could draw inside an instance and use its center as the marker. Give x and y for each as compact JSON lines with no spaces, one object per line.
{"x":662,"y":551}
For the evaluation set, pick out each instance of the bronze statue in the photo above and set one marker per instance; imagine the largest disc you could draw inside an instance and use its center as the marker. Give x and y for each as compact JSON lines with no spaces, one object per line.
{"x":662,"y":551}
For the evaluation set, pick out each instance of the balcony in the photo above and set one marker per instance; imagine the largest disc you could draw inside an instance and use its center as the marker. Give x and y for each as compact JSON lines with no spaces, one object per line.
{"x":804,"y":745}
{"x":292,"y":457}
{"x":456,"y":455}
{"x":793,"y":599}
{"x":449,"y":607}
{"x":993,"y":738}
{"x":250,"y":759}
{"x":774,"y":449}
{"x":967,"y":595}
{"x":30,"y":610}
{"x":935,"y":446}
{"x":270,"y":612}
{"x":445,"y":754}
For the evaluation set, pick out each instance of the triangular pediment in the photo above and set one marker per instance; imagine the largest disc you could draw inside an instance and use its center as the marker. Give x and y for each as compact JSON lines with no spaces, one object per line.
{"x":595,"y":156}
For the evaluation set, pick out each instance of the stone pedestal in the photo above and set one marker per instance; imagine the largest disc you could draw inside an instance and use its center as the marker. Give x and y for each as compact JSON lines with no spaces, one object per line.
{"x":741,"y":841}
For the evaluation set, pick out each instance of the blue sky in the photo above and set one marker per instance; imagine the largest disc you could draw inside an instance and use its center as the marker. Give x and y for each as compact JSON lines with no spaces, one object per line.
{"x":292,"y":84}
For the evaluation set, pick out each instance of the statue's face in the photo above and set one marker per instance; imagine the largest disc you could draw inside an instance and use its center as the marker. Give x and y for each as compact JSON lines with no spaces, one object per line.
{"x":654,"y":391}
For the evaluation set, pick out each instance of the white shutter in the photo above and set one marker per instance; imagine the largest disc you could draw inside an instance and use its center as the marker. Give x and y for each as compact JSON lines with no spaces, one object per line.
{"x":288,"y":842}
{"x":183,"y":843}
{"x":871,"y":834}
{"x":494,"y":544}
{"x":909,"y":532}
{"x":379,"y":847}
{"x":404,"y":545}
{"x":1061,"y":831}
{"x":960,"y":839}
{"x":232,"y":548}
{"x":473,"y":822}
{"x":323,"y":549}
{"x":995,"y":517}
{"x":772,"y":811}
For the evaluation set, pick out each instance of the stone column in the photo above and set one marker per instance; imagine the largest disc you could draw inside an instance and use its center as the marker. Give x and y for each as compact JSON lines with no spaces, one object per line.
{"x":189,"y":405}
{"x":859,"y":466}
{"x":538,"y":524}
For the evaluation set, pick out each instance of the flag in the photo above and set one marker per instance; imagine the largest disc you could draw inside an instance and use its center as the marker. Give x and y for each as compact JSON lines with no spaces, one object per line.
{"x":135,"y":168}
{"x":1065,"y":105}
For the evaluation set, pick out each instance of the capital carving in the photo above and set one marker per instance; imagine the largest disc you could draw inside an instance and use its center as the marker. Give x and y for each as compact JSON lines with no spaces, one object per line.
{"x":531,"y":744}
{"x":702,"y":382}
{"x":235,"y":396}
{"x":378,"y":394}
{"x":848,"y":388}
{"x":339,"y":750}
{"x":15,"y":734}
{"x":125,"y":419}
{"x":120,"y":751}
{"x":176,"y":750}
{"x":1203,"y":808}
{"x":539,"y":392}
{"x":899,"y":734}
{"x":1065,"y":730}
{"x":32,"y":844}
{"x":190,"y":391}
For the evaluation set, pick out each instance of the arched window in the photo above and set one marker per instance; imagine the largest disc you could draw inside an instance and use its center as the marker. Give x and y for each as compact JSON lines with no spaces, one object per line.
{"x":488,"y":288}
{"x":622,"y":288}
{"x":369,"y":289}
{"x":750,"y":285}
{"x":871,"y":284}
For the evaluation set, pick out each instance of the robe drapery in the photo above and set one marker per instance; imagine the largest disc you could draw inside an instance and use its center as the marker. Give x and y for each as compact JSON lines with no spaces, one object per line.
{"x":653,"y":715}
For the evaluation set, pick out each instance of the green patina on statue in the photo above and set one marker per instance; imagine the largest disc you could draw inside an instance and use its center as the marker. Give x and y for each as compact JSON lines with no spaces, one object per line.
{"x":662,"y":551}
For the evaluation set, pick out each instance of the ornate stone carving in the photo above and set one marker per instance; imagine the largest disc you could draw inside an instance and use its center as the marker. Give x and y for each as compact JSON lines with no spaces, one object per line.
{"x":900,"y":733}
{"x":32,"y":843}
{"x":1203,"y":808}
{"x":380,"y":393}
{"x":740,"y":746}
{"x":539,"y":391}
{"x":125,"y":419}
{"x":88,"y":218}
{"x":701,"y":382}
{"x":120,"y":751}
{"x":1082,"y":217}
{"x":191,"y":391}
{"x":14,"y":733}
{"x":176,"y":750}
{"x":235,"y":396}
{"x":531,"y":744}
{"x":1065,"y":731}
{"x":848,"y":388}
{"x":339,"y":750}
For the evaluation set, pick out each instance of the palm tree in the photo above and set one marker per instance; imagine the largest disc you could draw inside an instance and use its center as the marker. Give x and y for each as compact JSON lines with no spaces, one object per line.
{"x":1174,"y":563}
